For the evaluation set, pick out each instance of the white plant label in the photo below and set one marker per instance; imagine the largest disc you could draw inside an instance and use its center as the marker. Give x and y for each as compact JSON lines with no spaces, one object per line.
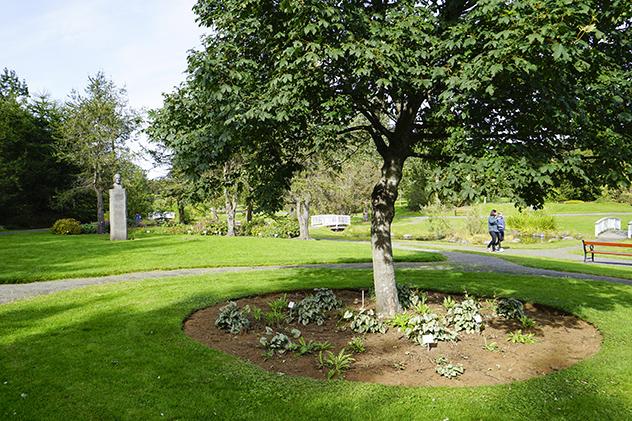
{"x":290,"y":304}
{"x":478,"y":319}
{"x":427,"y":339}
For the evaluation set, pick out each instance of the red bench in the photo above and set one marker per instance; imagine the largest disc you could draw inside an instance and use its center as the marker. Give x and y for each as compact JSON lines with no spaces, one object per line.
{"x":589,"y":248}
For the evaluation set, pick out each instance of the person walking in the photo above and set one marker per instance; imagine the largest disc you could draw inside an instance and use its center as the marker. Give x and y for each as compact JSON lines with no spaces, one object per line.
{"x":492,"y":227}
{"x":500,"y":222}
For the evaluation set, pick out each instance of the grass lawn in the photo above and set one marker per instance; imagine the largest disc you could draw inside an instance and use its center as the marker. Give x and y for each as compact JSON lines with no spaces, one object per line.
{"x":566,"y":266}
{"x":118,"y":352}
{"x":43,"y":256}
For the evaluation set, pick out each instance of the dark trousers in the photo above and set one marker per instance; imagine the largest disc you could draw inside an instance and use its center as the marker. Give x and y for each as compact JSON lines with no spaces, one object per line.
{"x":495,"y":240}
{"x":501,"y":237}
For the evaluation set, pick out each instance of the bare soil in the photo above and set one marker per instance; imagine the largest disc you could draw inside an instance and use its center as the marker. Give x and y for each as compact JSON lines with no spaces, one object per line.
{"x":391,"y":359}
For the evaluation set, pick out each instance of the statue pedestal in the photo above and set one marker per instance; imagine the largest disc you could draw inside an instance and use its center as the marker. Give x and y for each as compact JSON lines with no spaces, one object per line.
{"x":118,"y":213}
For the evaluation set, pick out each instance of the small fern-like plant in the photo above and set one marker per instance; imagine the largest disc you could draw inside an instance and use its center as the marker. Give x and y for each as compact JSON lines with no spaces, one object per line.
{"x":356,"y":345}
{"x":527,"y":322}
{"x":279,"y":304}
{"x":336,"y":363}
{"x":517,"y":337}
{"x":448,"y":302}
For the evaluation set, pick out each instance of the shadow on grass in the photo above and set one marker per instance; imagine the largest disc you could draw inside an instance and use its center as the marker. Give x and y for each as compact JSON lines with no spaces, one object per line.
{"x":122,"y":354}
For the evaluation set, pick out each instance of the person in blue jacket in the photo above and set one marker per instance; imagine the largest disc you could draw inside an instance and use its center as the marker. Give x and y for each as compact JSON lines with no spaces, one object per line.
{"x":500,"y":222}
{"x":492,"y":227}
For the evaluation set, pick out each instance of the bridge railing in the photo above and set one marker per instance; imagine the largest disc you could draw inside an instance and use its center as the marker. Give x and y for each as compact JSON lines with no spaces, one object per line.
{"x":330,"y":221}
{"x":605,"y":224}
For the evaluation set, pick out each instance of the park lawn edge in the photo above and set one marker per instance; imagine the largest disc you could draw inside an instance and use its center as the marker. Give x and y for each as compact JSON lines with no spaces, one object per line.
{"x":136,"y":343}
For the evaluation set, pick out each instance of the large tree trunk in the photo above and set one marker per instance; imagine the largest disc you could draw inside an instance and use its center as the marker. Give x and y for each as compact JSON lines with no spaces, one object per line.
{"x":100,"y":211}
{"x":383,"y":205}
{"x":302,"y":214}
{"x":181,"y":215}
{"x":249,"y":212}
{"x":231,"y":210}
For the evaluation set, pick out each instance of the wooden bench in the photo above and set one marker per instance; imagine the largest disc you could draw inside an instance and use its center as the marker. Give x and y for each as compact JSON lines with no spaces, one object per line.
{"x":589,"y":248}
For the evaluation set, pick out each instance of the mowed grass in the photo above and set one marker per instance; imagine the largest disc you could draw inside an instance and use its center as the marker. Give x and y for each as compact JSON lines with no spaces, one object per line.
{"x":43,"y":256}
{"x":622,"y":271}
{"x":119,"y":352}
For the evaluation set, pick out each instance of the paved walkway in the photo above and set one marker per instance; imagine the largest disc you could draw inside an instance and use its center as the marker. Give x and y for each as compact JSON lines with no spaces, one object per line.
{"x":456,"y":260}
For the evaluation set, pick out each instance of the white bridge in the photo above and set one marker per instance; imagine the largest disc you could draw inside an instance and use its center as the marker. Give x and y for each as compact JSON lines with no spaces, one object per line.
{"x":612,"y":226}
{"x":334,"y":222}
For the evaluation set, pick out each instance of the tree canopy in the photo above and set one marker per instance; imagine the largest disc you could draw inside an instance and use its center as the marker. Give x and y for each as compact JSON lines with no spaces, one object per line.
{"x":535,"y":91}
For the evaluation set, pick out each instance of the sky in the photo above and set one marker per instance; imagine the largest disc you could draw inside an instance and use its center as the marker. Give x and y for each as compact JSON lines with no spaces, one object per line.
{"x":140,"y":44}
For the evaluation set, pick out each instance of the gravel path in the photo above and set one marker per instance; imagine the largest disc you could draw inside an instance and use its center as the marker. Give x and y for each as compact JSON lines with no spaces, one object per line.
{"x":456,"y":260}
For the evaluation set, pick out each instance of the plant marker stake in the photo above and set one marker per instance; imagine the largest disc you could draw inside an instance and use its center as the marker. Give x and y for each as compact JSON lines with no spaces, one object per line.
{"x":362,"y":298}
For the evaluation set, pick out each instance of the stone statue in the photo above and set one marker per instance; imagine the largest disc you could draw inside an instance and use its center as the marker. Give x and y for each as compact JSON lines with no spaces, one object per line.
{"x":118,"y":210}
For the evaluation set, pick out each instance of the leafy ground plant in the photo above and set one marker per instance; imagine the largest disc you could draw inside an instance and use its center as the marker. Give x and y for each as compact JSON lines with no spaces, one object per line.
{"x":304,"y":347}
{"x":448,"y":302}
{"x":232,"y":319}
{"x":364,"y":321}
{"x":491,"y":346}
{"x":517,"y":337}
{"x":279,"y":342}
{"x":336,"y":363}
{"x":314,"y":308}
{"x":400,"y":320}
{"x":356,"y":345}
{"x":428,"y":324}
{"x":447,"y":369}
{"x":465,"y":316}
{"x":509,"y":308}
{"x":279,"y":304}
{"x":527,"y":322}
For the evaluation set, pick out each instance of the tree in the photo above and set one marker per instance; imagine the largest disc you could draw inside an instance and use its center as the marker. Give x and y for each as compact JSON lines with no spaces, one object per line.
{"x":93,"y":132}
{"x":541,"y":87}
{"x":30,"y":174}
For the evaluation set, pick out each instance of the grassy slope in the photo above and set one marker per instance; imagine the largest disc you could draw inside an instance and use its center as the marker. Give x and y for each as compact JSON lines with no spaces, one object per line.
{"x":41,"y":256}
{"x":118,"y":352}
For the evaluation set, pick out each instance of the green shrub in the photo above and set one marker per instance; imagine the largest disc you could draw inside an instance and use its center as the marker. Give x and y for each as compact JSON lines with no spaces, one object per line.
{"x":530,"y":222}
{"x":474,"y":222}
{"x":90,"y":228}
{"x":67,"y":226}
{"x":232,"y":319}
{"x":278,"y":227}
{"x":304,"y":347}
{"x":407,"y":296}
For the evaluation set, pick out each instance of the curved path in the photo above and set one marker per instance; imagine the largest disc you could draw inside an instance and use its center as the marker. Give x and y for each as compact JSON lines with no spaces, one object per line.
{"x":460,"y":261}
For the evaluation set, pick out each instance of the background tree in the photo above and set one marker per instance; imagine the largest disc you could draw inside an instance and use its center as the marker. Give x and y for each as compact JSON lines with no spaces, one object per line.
{"x":93,"y":132}
{"x":30,"y":174}
{"x":515,"y":83}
